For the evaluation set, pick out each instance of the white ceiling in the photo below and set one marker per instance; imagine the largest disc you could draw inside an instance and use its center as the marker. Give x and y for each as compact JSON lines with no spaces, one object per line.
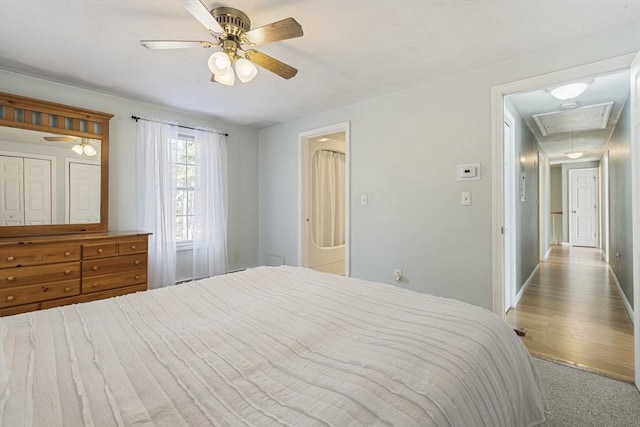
{"x":350,"y":51}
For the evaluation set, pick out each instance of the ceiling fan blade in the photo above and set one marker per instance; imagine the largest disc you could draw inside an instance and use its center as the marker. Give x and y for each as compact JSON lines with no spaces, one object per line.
{"x":284,"y":29}
{"x":175,"y":44}
{"x":60,"y":138}
{"x":202,"y":14}
{"x":265,"y":61}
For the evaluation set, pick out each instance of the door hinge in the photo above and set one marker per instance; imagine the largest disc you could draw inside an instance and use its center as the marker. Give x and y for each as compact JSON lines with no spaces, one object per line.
{"x":502,"y":230}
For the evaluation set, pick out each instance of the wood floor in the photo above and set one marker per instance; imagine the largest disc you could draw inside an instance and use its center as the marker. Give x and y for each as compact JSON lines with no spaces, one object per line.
{"x":573,"y":313}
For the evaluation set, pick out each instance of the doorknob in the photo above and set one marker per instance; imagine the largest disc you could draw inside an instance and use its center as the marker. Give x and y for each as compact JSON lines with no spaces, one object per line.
{"x":573,"y":211}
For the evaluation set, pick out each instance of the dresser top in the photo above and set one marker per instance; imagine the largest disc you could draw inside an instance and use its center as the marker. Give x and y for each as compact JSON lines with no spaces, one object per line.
{"x":24,"y":240}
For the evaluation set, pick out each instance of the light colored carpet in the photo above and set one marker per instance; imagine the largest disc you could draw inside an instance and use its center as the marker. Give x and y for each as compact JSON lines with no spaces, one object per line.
{"x":582,"y":399}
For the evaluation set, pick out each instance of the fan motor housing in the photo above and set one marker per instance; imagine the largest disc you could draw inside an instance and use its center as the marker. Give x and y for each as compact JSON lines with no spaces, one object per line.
{"x":233,"y":21}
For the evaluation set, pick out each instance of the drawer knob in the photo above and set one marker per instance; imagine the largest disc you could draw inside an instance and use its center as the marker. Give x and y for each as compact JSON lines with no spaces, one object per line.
{"x":45,"y":289}
{"x":10,"y":298}
{"x":10,"y":258}
{"x":133,"y":247}
{"x":67,"y":289}
{"x":137,"y":276}
{"x":94,"y":285}
{"x":67,"y":271}
{"x":100,"y":250}
{"x":11,"y":278}
{"x":67,"y":253}
{"x":136,"y":262}
{"x":94,"y":268}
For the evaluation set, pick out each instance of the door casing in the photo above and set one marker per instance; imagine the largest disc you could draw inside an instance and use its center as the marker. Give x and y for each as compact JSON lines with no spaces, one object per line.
{"x":497,"y":144}
{"x":303,"y":138}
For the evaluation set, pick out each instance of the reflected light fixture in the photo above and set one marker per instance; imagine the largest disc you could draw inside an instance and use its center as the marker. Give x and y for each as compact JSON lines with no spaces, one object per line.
{"x":569,"y":91}
{"x":574,"y":154}
{"x":84,"y":148}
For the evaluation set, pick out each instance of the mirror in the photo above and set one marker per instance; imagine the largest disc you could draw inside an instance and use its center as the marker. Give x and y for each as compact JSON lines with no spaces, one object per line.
{"x":48,"y":178}
{"x":54,"y":168}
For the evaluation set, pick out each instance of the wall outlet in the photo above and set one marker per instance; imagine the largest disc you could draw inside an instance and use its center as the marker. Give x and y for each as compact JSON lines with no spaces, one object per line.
{"x":397,"y":274}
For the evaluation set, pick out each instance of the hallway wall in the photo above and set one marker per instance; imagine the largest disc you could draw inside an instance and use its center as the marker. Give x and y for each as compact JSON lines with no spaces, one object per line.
{"x":620,"y":224}
{"x":527,"y":212}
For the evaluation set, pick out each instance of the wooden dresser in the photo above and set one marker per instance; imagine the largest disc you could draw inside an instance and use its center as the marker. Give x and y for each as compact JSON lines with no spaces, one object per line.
{"x":41,"y":272}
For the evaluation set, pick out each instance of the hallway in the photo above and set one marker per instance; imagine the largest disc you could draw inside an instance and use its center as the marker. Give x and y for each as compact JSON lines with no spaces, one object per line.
{"x":573,"y":312}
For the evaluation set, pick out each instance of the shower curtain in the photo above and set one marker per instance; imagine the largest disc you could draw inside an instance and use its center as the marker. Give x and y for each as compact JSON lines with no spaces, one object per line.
{"x":327,"y":198}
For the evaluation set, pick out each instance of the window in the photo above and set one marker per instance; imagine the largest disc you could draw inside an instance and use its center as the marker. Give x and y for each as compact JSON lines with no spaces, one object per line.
{"x":185,"y":151}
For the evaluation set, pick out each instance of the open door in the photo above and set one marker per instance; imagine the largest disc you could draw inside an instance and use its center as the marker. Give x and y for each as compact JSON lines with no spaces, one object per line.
{"x":635,"y":194}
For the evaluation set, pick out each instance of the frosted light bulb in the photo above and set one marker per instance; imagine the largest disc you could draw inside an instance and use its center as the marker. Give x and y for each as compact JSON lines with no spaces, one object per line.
{"x":219,"y":64}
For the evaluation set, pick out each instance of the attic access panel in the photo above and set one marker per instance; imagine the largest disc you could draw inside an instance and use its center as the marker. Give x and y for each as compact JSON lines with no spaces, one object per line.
{"x":592,"y":117}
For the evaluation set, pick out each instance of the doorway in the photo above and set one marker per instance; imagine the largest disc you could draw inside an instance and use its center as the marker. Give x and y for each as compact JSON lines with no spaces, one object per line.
{"x":603,"y":67}
{"x":324,"y":197}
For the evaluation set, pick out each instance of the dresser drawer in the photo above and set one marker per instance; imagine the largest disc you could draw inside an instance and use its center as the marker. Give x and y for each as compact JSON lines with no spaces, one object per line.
{"x":99,"y":267}
{"x":10,"y":297}
{"x":38,"y":253}
{"x":92,"y":296}
{"x":99,"y":250}
{"x":132,"y":246}
{"x":112,"y":281}
{"x":11,"y":277}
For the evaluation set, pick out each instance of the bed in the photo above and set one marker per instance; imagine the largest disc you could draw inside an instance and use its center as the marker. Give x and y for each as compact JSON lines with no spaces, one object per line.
{"x":267,"y":346}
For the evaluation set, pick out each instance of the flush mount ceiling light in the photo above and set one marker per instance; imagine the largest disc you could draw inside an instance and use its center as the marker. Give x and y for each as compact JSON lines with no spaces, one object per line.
{"x":231,"y":29}
{"x":574,"y":154}
{"x":83,"y":146}
{"x":570,"y":91}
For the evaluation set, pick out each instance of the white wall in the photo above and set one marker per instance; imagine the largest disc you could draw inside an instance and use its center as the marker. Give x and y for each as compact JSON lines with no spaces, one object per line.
{"x":404,"y":151}
{"x":242,"y":157}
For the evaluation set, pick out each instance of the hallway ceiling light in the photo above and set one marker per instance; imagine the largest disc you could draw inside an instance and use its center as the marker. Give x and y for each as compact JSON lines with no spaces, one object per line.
{"x":570,"y":91}
{"x":574,"y":154}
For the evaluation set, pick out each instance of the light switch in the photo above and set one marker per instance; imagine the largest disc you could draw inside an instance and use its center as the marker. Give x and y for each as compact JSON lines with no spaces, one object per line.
{"x":466,"y":198}
{"x":363,"y":199}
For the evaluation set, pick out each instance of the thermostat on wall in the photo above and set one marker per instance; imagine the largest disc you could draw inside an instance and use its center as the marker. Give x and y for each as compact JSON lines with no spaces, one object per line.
{"x":469,"y":172}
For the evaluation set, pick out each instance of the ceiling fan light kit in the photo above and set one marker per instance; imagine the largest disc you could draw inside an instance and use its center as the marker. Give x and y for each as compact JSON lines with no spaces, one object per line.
{"x":232,"y":30}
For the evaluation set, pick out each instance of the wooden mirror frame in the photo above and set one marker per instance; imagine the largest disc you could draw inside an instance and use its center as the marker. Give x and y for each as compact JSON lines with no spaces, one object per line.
{"x":33,"y":114}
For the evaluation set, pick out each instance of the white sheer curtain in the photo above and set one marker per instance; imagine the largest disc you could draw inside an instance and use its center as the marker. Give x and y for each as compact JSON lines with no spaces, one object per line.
{"x":327,"y":198}
{"x":210,"y":205}
{"x":155,"y":181}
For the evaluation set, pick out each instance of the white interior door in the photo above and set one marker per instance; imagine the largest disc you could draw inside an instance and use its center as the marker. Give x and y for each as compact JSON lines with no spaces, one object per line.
{"x":583,"y":207}
{"x":37,"y":192}
{"x":635,"y":191}
{"x":84,"y":193}
{"x":510,"y":189}
{"x":325,"y":225}
{"x":11,"y":190}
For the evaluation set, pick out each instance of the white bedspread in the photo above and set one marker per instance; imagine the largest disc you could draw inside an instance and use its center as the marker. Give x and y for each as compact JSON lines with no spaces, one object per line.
{"x":268,"y":346}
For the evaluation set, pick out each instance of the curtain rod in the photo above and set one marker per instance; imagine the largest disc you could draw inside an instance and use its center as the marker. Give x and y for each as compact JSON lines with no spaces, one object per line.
{"x":136,"y":118}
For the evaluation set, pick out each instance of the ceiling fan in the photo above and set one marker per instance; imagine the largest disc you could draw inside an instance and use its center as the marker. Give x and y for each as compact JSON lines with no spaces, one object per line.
{"x":83,"y":146}
{"x":231,"y":29}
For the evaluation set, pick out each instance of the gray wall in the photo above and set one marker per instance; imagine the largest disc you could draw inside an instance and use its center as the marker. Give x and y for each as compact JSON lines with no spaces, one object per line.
{"x":556,"y":188}
{"x":404,"y":150}
{"x":620,"y":224}
{"x":242,"y":157}
{"x":527,"y":212}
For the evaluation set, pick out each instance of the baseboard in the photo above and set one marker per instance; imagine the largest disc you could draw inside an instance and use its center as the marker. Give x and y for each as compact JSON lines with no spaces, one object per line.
{"x":622,"y":294}
{"x":565,"y":244}
{"x":525,"y":286}
{"x":546,"y":256}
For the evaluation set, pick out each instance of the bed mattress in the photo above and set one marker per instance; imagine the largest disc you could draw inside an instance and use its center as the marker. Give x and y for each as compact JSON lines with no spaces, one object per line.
{"x":267,"y":346}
